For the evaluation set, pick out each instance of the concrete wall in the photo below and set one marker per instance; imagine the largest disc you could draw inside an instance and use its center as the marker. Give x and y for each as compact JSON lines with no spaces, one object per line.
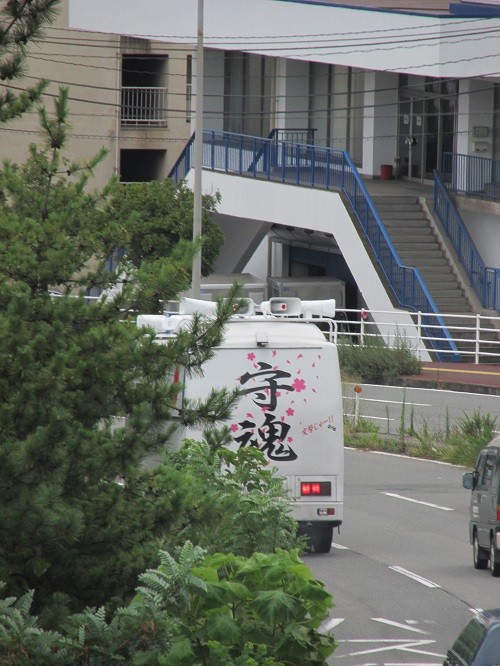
{"x":380,"y":127}
{"x":245,"y":199}
{"x":386,"y":41}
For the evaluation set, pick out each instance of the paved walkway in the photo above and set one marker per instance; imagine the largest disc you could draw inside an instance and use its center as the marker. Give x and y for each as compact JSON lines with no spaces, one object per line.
{"x":469,"y":377}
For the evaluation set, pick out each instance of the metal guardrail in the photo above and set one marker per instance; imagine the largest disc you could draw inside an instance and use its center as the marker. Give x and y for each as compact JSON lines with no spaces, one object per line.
{"x":471,"y":175}
{"x":483,"y":279}
{"x":144,"y":106}
{"x":477,"y":335}
{"x":293,"y":134}
{"x":325,"y":168}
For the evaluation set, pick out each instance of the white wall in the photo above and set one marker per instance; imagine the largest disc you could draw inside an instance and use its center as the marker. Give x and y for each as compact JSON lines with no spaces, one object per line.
{"x":380,"y":124}
{"x":386,"y":41}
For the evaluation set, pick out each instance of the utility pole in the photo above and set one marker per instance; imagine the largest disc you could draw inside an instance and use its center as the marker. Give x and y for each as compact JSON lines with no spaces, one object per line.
{"x":198,"y":154}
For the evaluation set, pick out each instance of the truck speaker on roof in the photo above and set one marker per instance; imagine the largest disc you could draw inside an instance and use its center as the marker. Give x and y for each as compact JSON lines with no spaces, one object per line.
{"x":286,"y":306}
{"x":197,"y":306}
{"x":324,"y":308}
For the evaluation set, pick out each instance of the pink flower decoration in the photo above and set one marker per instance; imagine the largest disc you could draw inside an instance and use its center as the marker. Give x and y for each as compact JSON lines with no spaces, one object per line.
{"x":300,"y":356}
{"x":290,"y":412}
{"x":299,"y":385}
{"x":289,"y":439}
{"x":274,"y":352}
{"x":251,"y":356}
{"x":234,"y":427}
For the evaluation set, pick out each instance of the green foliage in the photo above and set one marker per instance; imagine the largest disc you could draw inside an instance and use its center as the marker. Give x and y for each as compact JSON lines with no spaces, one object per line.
{"x":373,"y":361}
{"x":156,"y":216}
{"x":226,"y":501}
{"x":468,"y":437}
{"x":72,"y":492}
{"x":21,"y":23}
{"x":221,"y":610}
{"x":459,"y":444}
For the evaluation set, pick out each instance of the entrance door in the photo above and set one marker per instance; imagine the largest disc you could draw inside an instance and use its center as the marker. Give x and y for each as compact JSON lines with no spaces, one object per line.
{"x":411,"y":138}
{"x":426,"y":130}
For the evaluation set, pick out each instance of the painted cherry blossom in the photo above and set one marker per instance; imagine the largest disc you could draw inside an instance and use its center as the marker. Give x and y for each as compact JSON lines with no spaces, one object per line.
{"x":251,"y":356}
{"x":299,"y":385}
{"x":234,"y":427}
{"x":290,"y":412}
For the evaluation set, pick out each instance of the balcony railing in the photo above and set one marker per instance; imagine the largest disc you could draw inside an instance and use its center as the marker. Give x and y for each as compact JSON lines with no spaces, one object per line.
{"x":472,"y":175}
{"x":144,"y":106}
{"x":324,"y":168}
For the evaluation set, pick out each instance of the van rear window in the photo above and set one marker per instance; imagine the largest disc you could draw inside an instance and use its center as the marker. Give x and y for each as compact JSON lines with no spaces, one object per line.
{"x":469,"y":640}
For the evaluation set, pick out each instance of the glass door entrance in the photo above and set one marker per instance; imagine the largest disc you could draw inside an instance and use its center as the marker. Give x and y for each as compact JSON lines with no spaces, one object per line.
{"x":426,"y":130}
{"x":411,"y":135}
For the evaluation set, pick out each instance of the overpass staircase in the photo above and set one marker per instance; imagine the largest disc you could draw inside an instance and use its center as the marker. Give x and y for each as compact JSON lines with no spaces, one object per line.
{"x":420,"y":244}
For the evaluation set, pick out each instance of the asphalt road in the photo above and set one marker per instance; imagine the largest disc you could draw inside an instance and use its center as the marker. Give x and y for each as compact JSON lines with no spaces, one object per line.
{"x":435,"y":408}
{"x":401,"y":570}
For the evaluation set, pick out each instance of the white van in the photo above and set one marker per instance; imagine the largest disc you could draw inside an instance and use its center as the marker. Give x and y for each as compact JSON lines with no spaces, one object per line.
{"x":291,"y":404}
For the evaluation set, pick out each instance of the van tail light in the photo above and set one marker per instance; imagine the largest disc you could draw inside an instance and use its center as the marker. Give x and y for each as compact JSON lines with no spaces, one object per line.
{"x":498,"y":512}
{"x":316,"y":488}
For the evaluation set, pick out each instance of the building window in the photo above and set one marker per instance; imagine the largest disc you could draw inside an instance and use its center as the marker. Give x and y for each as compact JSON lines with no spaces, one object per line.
{"x":336,"y":105}
{"x":142,"y":165}
{"x":144,"y":90}
{"x":189,"y":87}
{"x":248,"y":100}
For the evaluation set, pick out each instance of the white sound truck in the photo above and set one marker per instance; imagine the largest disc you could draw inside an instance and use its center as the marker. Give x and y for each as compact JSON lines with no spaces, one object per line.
{"x":287,"y":371}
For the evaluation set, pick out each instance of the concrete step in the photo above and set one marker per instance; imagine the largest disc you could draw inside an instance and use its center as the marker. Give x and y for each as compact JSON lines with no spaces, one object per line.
{"x":402,"y":216}
{"x":402,"y":208}
{"x":381,"y":200}
{"x":416,"y":255}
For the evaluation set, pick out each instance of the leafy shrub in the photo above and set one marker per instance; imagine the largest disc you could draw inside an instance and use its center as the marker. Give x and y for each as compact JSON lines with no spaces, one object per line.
{"x":225,"y":501}
{"x":468,"y":437}
{"x":373,"y":361}
{"x":220,"y":609}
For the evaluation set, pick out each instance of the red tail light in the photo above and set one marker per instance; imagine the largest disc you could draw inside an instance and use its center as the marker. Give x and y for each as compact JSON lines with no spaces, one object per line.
{"x":498,"y":513}
{"x":316,"y":488}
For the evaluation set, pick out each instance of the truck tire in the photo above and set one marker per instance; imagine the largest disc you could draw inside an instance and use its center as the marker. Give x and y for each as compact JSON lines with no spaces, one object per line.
{"x":494,"y":561}
{"x":479,"y":555}
{"x":321,"y":537}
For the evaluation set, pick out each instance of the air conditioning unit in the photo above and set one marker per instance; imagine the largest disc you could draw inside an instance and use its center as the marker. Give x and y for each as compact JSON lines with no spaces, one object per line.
{"x":308,"y":289}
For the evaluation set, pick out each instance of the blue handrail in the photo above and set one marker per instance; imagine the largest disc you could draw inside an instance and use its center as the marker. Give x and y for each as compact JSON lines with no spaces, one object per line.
{"x":325,"y":168}
{"x":484,"y":280}
{"x":472,"y":175}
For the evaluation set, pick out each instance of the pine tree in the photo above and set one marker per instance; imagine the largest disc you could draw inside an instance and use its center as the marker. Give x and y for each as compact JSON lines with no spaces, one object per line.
{"x":21,"y":23}
{"x":79,"y":515}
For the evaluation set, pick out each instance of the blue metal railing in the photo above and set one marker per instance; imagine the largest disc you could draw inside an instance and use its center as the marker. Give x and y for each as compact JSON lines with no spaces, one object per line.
{"x":324,"y":168}
{"x":484,"y":280}
{"x":471,"y":175}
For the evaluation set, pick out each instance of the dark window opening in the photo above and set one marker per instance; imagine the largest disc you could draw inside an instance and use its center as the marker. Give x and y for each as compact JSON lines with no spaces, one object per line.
{"x":142,"y":165}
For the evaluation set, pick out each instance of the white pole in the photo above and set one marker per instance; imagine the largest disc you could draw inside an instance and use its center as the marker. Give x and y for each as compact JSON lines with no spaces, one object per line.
{"x":198,"y":153}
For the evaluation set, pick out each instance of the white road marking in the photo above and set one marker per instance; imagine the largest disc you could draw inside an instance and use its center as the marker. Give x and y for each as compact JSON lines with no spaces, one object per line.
{"x":410,"y":499}
{"x":339,"y":547}
{"x":331,"y":624}
{"x":415,"y":577}
{"x":400,"y":625}
{"x":391,"y":402}
{"x":404,"y":647}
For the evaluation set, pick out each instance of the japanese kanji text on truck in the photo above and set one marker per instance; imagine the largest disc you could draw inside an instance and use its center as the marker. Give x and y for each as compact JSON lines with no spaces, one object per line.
{"x":291,"y":406}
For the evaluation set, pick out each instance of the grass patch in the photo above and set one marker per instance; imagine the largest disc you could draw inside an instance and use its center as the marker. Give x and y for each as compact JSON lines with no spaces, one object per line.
{"x":374,"y":361}
{"x":458,"y":444}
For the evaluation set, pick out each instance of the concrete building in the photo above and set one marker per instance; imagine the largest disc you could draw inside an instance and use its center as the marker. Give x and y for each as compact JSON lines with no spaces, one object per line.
{"x":404,"y":87}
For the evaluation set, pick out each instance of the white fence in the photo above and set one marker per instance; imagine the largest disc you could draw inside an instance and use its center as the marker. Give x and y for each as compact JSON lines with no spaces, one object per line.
{"x":477,"y":337}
